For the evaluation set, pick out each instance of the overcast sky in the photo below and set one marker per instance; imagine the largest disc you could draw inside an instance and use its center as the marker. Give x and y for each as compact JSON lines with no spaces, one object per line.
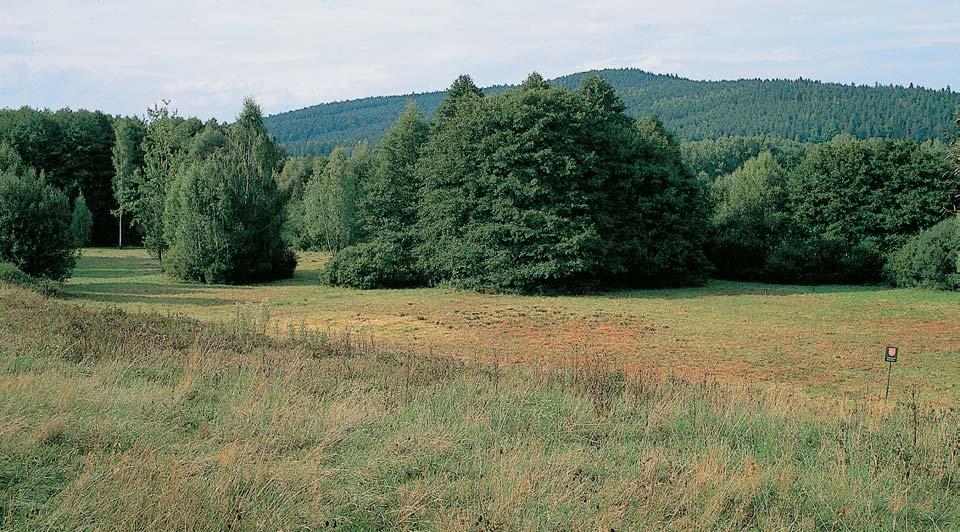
{"x":121,"y":56}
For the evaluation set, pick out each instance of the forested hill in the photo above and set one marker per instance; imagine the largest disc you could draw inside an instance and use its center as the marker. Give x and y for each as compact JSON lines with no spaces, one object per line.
{"x":800,"y":110}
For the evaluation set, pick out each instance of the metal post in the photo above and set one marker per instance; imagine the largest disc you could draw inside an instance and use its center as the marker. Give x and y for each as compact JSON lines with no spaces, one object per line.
{"x":889,"y":370}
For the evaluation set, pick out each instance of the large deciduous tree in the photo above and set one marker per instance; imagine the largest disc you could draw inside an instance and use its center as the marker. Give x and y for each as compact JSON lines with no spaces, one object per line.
{"x":541,"y":188}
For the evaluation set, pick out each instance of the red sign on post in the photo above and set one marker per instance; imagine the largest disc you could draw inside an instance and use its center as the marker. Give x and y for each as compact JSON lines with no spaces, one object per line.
{"x":891,"y":355}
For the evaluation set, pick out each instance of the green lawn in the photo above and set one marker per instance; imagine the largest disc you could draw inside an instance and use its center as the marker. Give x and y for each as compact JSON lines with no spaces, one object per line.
{"x":824,"y":339}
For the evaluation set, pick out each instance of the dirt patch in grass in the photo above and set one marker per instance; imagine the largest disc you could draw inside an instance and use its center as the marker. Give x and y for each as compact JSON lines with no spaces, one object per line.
{"x":822,"y":339}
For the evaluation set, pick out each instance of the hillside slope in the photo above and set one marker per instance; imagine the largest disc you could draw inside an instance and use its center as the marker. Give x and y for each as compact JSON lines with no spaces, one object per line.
{"x":794,"y":109}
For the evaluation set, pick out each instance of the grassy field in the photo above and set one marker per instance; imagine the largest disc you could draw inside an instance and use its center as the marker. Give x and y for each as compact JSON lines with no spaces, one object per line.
{"x":118,"y":421}
{"x":821,"y":340}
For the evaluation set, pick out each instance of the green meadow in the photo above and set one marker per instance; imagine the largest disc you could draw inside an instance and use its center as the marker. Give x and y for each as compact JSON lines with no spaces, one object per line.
{"x":822,"y":340}
{"x":117,"y":420}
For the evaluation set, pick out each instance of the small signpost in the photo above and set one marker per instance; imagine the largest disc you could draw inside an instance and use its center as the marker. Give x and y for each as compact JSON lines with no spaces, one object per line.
{"x":890,"y":356}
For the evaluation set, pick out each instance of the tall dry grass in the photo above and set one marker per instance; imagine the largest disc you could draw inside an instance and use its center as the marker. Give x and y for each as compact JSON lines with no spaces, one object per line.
{"x":117,"y":421}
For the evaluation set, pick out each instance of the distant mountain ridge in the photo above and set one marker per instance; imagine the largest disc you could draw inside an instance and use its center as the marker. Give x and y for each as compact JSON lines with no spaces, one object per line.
{"x":801,"y":110}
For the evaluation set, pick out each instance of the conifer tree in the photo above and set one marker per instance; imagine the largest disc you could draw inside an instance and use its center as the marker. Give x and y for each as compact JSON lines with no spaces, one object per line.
{"x":35,"y":230}
{"x":226,"y":213}
{"x":389,"y":201}
{"x":81,"y":222}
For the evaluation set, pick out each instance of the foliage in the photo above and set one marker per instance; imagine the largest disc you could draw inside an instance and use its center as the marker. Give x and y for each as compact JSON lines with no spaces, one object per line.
{"x":330,"y":198}
{"x":73,"y":150}
{"x":387,"y":213}
{"x":81,"y":222}
{"x":35,"y":230}
{"x":12,"y":275}
{"x":750,"y":218}
{"x":712,"y":158}
{"x":10,"y":159}
{"x":541,"y":188}
{"x":805,"y":258}
{"x":842,"y":208}
{"x":296,"y":173}
{"x":128,"y":162}
{"x":955,"y":206}
{"x":293,"y":180}
{"x":877,"y":192}
{"x":381,"y":263}
{"x":929,"y":259}
{"x":225,"y":213}
{"x":388,"y":204}
{"x":167,"y":137}
{"x":798,"y":110}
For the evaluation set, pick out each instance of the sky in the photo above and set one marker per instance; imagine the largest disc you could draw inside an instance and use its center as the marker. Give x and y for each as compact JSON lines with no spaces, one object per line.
{"x":206,"y":56}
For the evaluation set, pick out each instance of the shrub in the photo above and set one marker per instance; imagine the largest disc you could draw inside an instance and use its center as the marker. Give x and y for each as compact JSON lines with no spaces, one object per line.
{"x":928,"y":259}
{"x":815,"y":259}
{"x":383,"y":263}
{"x":13,"y":275}
{"x":35,"y":231}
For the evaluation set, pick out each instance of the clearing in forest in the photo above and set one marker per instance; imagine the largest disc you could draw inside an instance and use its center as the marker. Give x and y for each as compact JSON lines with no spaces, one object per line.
{"x":823,"y":339}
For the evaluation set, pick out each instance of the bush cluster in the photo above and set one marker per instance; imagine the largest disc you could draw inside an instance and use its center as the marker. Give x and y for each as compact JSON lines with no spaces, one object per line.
{"x":930,"y":259}
{"x":12,"y":275}
{"x":836,"y":216}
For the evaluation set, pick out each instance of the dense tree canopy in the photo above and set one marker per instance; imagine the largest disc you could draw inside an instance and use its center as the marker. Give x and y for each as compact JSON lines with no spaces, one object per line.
{"x":330,"y":200}
{"x":165,"y":141}
{"x":800,"y":110}
{"x":878,"y":192}
{"x":128,"y":162}
{"x":73,"y":151}
{"x":541,"y":187}
{"x":835,"y":216}
{"x":533,"y":189}
{"x":712,"y":158}
{"x":389,"y":200}
{"x":750,"y":219}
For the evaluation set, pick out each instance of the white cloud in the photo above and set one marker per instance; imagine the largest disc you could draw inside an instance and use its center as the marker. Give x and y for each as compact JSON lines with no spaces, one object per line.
{"x":207,"y":55}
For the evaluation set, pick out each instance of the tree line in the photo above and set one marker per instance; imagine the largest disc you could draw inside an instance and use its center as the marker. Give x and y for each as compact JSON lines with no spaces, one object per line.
{"x":73,"y":150}
{"x":535,"y":188}
{"x":799,"y":110}
{"x":761,"y":208}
